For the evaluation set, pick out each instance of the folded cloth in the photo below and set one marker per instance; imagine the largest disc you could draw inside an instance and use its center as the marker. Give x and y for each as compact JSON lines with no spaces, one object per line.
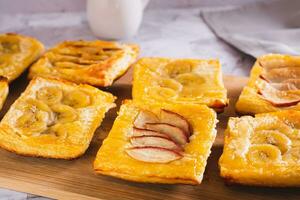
{"x":259,"y":28}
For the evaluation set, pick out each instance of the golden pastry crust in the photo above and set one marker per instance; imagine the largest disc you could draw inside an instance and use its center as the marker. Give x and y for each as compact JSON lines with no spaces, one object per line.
{"x":179,"y":81}
{"x":96,"y":63}
{"x":284,"y":69}
{"x":17,"y":52}
{"x":263,"y":151}
{"x":54,"y":119}
{"x":187,"y":170}
{"x":4,"y":88}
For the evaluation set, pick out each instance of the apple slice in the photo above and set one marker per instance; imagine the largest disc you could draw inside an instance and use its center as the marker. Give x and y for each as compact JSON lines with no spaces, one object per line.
{"x":144,"y":117}
{"x":280,"y":74}
{"x":154,"y":141}
{"x":175,"y":119}
{"x":146,"y":132}
{"x":153,"y":154}
{"x":276,"y":97}
{"x":175,"y":133}
{"x":292,"y":84}
{"x":287,"y":85}
{"x":271,"y":63}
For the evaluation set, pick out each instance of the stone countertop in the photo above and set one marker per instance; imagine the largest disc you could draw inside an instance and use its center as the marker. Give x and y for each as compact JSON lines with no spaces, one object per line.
{"x":173,"y":32}
{"x":169,"y":32}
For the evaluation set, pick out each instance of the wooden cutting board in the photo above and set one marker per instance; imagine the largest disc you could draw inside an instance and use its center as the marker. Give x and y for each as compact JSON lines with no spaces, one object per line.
{"x":76,"y":179}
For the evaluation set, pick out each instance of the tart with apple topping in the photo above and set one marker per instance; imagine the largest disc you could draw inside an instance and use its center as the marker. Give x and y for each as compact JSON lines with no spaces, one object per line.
{"x":167,"y":133}
{"x":158,"y":143}
{"x":274,"y":85}
{"x":54,"y":119}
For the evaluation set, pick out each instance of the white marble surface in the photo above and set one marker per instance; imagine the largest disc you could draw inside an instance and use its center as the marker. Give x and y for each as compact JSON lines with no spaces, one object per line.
{"x":170,"y":32}
{"x":164,"y":32}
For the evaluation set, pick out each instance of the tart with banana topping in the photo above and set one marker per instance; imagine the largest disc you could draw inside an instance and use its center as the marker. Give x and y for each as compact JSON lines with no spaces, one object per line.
{"x":17,"y":52}
{"x":263,"y":150}
{"x":54,"y":119}
{"x":274,"y":85}
{"x":158,"y":143}
{"x":96,"y":63}
{"x":179,"y":81}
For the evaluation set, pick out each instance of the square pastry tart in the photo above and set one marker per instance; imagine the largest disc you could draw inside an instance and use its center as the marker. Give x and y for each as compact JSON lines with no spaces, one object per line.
{"x":54,"y":119}
{"x":274,"y":85}
{"x":17,"y":52}
{"x":96,"y":63}
{"x":179,"y":81}
{"x":263,"y":151}
{"x":158,"y":143}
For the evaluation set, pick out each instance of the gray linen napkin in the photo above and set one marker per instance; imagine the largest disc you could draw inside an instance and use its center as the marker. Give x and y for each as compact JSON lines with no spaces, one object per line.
{"x":259,"y":28}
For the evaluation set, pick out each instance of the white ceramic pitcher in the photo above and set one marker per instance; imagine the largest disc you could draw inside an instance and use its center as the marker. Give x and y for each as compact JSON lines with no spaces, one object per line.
{"x":115,"y":19}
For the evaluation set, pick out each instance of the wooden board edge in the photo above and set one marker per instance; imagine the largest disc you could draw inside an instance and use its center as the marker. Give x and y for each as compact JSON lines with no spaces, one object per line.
{"x":41,"y":190}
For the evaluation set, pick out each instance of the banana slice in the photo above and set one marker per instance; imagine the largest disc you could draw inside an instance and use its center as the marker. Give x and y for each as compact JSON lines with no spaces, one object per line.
{"x":50,"y":95}
{"x":32,"y":123}
{"x":57,"y":130}
{"x":191,"y":92}
{"x":190,"y":79}
{"x":34,"y":105}
{"x":272,"y":137}
{"x":77,"y":99}
{"x":293,"y":155}
{"x":263,"y":154}
{"x":64,"y":113}
{"x":170,"y":83}
{"x":68,"y":131}
{"x":273,"y":123}
{"x":162,"y":93}
{"x":178,"y":67}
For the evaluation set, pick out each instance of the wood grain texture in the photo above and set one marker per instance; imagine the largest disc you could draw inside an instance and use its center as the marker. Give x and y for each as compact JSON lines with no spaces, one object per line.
{"x":76,"y":179}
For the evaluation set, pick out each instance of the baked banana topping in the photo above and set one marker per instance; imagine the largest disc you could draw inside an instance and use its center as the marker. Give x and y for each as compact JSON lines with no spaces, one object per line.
{"x":179,"y":81}
{"x":50,"y":95}
{"x":96,"y":62}
{"x":263,"y":150}
{"x":54,"y":119}
{"x":17,"y":52}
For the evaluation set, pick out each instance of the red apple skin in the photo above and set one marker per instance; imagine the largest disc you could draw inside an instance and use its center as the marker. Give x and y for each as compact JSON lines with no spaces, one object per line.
{"x":176,"y":120}
{"x":175,"y":133}
{"x":283,"y":104}
{"x":155,"y":141}
{"x":150,"y":154}
{"x":264,"y":78}
{"x":145,"y":132}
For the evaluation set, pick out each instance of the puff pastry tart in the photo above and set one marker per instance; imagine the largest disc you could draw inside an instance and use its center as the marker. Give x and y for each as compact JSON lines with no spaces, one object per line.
{"x":3,"y":90}
{"x":274,"y":85}
{"x":158,"y":143}
{"x":96,"y":63}
{"x":179,"y":81}
{"x":264,"y":150}
{"x":54,"y":119}
{"x":17,"y":52}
